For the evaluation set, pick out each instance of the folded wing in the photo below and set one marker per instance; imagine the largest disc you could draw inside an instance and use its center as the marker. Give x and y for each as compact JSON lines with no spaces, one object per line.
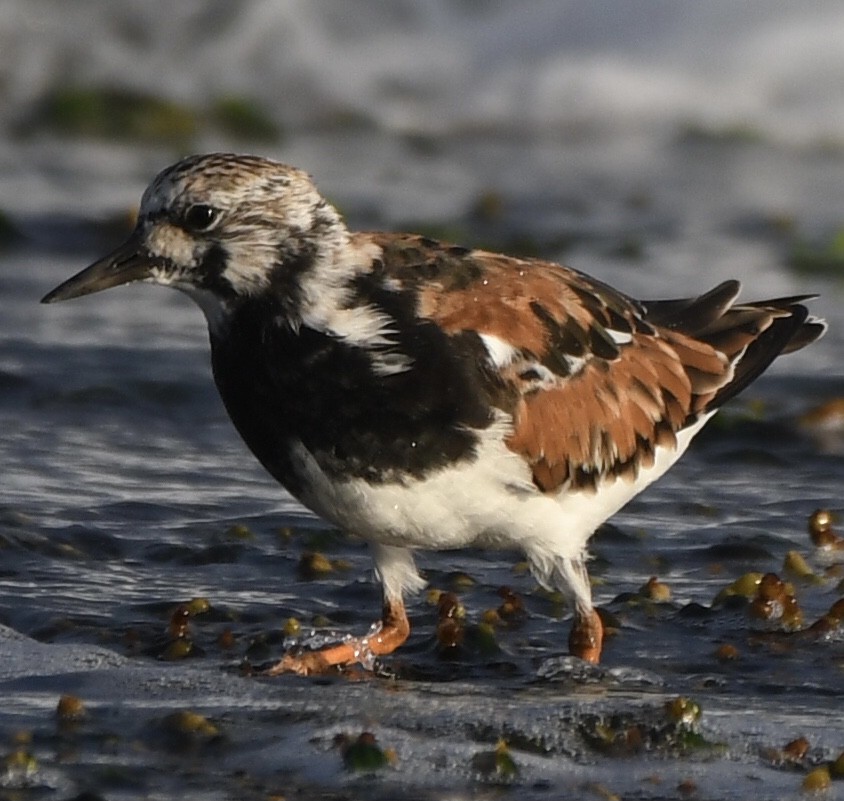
{"x":594,"y":380}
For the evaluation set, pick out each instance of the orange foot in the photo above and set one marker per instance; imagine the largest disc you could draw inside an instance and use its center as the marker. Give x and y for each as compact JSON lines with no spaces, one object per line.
{"x":586,"y":636}
{"x":389,"y":634}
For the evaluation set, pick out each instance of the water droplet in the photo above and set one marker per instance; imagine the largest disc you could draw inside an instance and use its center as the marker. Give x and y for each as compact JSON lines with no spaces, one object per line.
{"x":364,"y":655}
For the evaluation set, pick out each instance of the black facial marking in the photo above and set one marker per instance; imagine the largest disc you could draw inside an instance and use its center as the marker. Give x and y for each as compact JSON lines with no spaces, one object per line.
{"x":212,"y":270}
{"x":295,"y":258}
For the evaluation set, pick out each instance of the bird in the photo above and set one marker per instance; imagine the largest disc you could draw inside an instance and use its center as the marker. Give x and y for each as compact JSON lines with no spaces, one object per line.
{"x":428,"y":396}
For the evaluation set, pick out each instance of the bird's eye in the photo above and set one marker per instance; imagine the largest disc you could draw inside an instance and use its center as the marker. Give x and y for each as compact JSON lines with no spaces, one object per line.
{"x":200,"y":217}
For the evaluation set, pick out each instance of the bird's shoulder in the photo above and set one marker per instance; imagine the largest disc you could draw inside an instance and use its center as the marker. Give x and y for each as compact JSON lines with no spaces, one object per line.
{"x":517,"y":299}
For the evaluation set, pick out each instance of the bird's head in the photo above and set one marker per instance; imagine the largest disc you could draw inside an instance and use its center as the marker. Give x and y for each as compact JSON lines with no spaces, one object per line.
{"x":220,"y":227}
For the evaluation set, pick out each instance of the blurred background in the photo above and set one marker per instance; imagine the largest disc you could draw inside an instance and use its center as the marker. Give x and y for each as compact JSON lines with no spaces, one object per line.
{"x":661,"y":146}
{"x":545,"y":126}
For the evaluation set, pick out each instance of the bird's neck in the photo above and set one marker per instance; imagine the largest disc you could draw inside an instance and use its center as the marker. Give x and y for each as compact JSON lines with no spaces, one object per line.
{"x":325,"y":294}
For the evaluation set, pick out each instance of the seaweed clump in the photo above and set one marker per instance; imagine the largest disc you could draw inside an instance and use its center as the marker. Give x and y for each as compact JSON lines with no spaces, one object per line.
{"x":109,"y":112}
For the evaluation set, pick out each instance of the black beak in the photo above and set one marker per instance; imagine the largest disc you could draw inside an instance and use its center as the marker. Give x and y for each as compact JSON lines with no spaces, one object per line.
{"x":130,"y":262}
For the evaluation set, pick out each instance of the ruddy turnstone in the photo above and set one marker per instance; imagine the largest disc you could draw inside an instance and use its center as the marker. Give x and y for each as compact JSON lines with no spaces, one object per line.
{"x":428,"y":396}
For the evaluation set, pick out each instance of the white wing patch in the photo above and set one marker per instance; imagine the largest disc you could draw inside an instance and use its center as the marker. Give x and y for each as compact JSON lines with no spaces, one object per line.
{"x":366,"y":328}
{"x":619,"y":337}
{"x":501,"y":353}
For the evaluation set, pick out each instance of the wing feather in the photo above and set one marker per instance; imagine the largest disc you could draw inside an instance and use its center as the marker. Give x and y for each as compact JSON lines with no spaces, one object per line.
{"x":596,"y":381}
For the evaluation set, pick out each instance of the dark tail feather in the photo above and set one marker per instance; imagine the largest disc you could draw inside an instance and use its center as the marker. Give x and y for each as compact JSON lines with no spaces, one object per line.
{"x":761,"y":351}
{"x":811,"y":331}
{"x":751,"y":335}
{"x":690,"y":315}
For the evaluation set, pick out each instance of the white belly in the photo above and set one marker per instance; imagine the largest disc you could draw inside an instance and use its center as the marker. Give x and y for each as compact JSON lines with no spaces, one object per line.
{"x":490,"y":502}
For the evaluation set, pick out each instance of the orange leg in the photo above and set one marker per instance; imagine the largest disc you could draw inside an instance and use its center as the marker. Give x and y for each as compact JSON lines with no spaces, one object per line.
{"x":390,"y":633}
{"x":586,"y":636}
